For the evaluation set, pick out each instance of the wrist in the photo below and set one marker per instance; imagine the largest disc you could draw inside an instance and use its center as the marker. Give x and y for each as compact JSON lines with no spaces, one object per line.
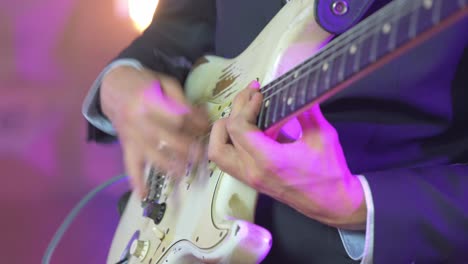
{"x":115,"y":86}
{"x":354,"y":215}
{"x":340,"y":204}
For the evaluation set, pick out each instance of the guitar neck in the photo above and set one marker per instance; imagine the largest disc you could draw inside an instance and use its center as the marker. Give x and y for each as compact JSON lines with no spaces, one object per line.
{"x":374,"y":42}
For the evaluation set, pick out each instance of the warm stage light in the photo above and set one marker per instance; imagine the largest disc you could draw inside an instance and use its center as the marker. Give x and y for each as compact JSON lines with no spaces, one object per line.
{"x":141,"y":12}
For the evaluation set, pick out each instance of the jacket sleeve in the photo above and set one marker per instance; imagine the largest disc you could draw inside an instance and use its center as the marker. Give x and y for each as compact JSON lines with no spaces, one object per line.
{"x":421,"y":214}
{"x":181,"y":31}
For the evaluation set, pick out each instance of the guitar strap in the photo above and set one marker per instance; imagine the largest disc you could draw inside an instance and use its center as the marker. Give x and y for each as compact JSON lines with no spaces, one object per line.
{"x":336,"y":16}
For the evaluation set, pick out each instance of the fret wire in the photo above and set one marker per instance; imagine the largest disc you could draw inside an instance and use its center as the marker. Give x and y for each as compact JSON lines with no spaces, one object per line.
{"x":374,"y":35}
{"x":267,"y":114}
{"x":275,"y":104}
{"x":329,"y":71}
{"x":282,"y":99}
{"x":286,"y":100}
{"x":378,"y":32}
{"x":316,"y":81}
{"x":293,"y":95}
{"x":343,"y":64}
{"x":314,"y":60}
{"x":334,"y":71}
{"x":413,"y":27}
{"x":304,"y":89}
{"x":436,"y":8}
{"x":357,"y":56}
{"x":260,"y":115}
{"x":394,"y":34}
{"x":374,"y":46}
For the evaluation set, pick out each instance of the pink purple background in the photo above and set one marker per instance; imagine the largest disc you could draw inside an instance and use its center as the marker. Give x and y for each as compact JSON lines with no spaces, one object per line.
{"x":50,"y":52}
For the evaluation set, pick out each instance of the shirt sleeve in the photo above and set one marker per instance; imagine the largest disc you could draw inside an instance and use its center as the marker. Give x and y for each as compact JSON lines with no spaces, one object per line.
{"x":91,"y":109}
{"x":359,"y":244}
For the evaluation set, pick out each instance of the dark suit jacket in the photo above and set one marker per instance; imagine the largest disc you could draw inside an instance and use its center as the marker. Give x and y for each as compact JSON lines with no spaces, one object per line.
{"x":405,"y":128}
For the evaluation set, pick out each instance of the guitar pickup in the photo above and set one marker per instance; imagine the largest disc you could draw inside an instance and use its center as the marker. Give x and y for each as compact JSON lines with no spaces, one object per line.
{"x":155,"y":211}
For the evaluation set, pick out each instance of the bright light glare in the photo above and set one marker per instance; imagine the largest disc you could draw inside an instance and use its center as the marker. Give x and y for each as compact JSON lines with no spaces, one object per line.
{"x":141,"y":12}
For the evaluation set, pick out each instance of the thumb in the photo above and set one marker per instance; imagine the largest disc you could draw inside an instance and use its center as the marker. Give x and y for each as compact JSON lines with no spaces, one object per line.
{"x":173,"y":90}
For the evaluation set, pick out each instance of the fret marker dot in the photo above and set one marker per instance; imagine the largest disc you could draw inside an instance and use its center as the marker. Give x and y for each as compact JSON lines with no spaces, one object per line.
{"x":296,"y":74}
{"x":290,"y":100}
{"x":325,"y":66}
{"x":353,"y":49}
{"x":427,"y":4}
{"x":267,"y":103}
{"x":386,"y":28}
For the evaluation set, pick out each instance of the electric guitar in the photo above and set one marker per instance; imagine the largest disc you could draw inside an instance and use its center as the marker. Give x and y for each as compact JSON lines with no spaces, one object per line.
{"x":206,"y":216}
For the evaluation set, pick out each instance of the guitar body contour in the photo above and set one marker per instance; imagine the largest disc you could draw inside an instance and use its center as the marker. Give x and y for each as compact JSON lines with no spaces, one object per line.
{"x":208,"y":216}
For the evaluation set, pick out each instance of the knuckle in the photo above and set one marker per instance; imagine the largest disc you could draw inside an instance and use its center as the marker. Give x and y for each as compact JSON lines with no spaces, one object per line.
{"x":267,"y":167}
{"x":256,"y":180}
{"x":236,"y":99}
{"x":213,"y":152}
{"x":230,"y":125}
{"x":233,"y":125}
{"x":128,"y":112}
{"x":218,"y":124}
{"x":178,"y":121}
{"x":239,"y":97}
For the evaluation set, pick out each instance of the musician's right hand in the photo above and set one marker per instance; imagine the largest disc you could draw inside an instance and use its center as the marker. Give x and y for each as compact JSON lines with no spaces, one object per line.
{"x":154,"y":121}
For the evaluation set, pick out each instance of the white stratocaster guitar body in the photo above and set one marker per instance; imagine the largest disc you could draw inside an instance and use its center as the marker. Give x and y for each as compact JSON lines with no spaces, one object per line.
{"x":206,"y":216}
{"x":208,"y":219}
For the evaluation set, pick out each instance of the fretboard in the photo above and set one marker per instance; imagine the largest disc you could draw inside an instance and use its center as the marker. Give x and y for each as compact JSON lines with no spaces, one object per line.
{"x":392,"y":27}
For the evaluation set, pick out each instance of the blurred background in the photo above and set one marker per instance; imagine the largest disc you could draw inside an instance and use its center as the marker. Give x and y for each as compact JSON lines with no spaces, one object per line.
{"x":50,"y":53}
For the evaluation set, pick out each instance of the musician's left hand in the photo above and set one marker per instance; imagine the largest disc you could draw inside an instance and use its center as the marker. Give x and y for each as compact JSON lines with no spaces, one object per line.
{"x":309,"y":174}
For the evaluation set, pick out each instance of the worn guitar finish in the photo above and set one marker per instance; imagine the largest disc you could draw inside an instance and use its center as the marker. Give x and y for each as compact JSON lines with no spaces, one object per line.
{"x":206,"y":215}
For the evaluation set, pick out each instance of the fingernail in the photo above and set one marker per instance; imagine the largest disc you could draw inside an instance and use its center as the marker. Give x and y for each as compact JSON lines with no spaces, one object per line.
{"x":255,"y":85}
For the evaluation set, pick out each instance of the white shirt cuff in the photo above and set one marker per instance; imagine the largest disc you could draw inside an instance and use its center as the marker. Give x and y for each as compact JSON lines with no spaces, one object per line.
{"x":90,"y":107}
{"x":359,"y":245}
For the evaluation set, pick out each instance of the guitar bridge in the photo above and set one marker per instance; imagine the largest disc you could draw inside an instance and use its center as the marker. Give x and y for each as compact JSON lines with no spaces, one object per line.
{"x":156,"y":181}
{"x":153,"y":206}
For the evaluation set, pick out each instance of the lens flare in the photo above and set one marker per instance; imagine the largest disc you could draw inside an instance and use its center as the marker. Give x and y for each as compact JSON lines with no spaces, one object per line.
{"x":141,"y":12}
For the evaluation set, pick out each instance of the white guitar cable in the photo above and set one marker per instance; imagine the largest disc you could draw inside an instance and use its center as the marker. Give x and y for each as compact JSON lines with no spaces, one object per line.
{"x":72,"y":215}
